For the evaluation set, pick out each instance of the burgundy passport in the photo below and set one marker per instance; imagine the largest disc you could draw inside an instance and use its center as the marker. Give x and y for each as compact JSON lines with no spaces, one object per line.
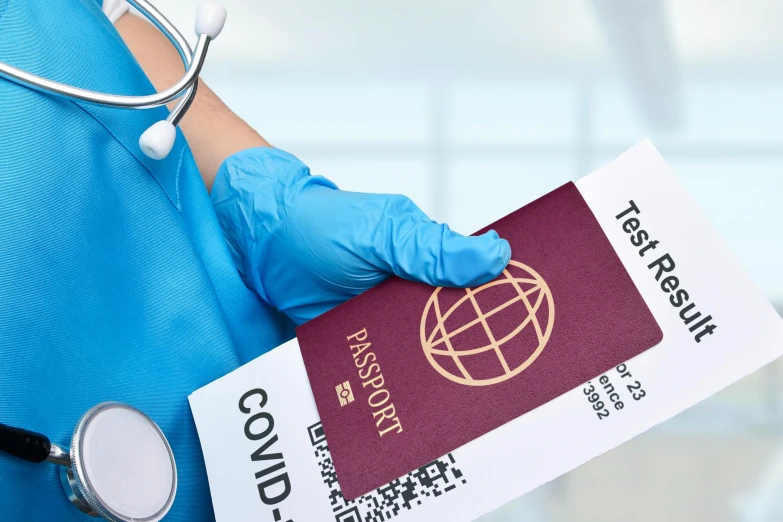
{"x":405,"y":373}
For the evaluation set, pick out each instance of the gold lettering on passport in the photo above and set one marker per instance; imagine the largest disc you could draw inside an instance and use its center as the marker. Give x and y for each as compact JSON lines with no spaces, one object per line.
{"x":386,"y":419}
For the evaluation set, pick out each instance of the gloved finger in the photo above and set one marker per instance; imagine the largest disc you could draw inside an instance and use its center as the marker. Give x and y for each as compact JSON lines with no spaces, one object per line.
{"x":416,"y":248}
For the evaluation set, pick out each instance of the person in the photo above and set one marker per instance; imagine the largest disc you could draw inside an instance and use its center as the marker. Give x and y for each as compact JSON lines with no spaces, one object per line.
{"x":124,"y":278}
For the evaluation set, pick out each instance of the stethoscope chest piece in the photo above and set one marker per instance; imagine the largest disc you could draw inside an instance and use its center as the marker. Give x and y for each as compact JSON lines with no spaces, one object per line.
{"x":122,"y":467}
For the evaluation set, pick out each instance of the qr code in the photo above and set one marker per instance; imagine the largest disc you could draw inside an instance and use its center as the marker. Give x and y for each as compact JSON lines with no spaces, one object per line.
{"x":433,"y":480}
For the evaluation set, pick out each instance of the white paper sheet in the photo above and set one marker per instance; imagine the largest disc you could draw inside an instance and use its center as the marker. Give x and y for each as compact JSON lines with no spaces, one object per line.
{"x":539,"y":446}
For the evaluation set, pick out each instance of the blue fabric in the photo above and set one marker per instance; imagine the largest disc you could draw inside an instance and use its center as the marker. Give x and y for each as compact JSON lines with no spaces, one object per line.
{"x":306,"y":246}
{"x":115,"y":280}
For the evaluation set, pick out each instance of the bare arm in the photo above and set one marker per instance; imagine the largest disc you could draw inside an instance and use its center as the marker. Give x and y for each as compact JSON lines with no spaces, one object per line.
{"x":212,"y":130}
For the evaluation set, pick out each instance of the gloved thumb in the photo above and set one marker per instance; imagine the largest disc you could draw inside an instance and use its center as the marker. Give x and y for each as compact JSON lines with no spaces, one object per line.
{"x":422,"y":250}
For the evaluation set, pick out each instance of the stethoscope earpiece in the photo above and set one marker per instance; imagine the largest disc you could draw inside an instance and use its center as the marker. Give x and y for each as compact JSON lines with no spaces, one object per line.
{"x":157,"y":141}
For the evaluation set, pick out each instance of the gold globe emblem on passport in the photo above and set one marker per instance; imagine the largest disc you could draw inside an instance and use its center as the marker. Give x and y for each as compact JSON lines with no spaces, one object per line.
{"x":487,"y":335}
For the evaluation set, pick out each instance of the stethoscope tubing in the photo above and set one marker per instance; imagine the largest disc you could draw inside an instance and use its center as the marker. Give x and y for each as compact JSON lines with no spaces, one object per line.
{"x":24,"y":444}
{"x":31,"y":446}
{"x":179,"y":42}
{"x":193,"y":61}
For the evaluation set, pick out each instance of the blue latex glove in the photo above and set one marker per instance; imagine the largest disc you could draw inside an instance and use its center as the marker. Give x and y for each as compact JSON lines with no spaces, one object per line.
{"x":305,"y":246}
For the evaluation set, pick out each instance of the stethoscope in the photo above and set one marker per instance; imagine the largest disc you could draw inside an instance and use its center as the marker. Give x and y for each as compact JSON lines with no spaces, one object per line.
{"x":157,"y":141}
{"x":119,"y":467}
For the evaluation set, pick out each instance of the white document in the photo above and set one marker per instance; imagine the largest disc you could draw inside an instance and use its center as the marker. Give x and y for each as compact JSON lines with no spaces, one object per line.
{"x":286,"y":473}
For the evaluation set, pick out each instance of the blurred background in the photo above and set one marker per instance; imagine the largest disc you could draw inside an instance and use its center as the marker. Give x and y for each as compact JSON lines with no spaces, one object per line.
{"x":445,"y":101}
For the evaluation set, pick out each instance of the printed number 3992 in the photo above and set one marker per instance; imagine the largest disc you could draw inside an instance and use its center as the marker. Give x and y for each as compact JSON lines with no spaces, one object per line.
{"x":594,"y":399}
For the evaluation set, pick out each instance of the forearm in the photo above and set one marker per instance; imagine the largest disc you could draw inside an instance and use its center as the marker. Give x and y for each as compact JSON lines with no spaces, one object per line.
{"x":213,"y":131}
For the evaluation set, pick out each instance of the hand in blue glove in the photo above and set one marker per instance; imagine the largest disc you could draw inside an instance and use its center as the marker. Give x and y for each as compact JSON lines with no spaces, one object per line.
{"x":305,"y":246}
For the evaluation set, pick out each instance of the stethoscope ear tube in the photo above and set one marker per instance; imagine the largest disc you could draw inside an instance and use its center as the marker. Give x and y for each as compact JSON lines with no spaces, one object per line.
{"x":158,"y":141}
{"x":27,"y":445}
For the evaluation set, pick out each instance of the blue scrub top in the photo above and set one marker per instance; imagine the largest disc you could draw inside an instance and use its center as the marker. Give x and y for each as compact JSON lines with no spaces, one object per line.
{"x":115,"y":280}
